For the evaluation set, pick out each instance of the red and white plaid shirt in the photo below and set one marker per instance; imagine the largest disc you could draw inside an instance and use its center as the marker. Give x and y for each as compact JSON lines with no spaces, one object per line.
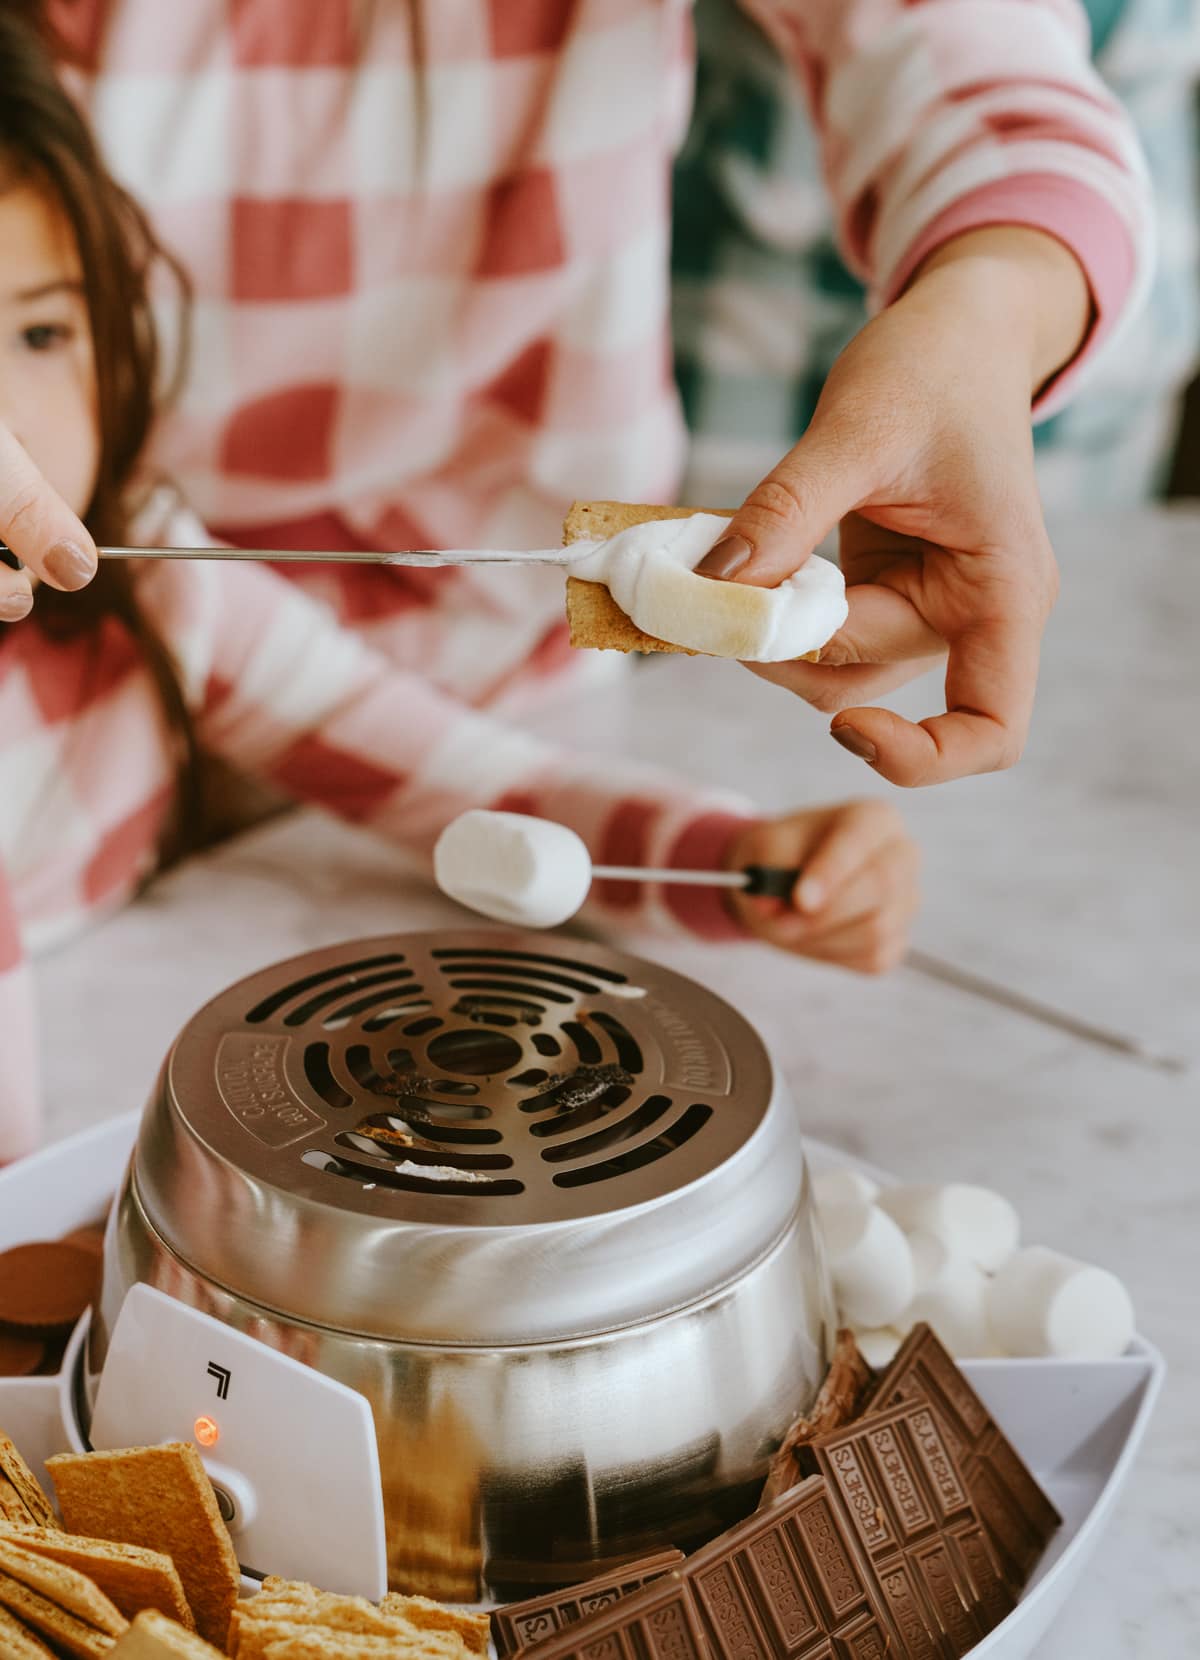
{"x":431,"y":310}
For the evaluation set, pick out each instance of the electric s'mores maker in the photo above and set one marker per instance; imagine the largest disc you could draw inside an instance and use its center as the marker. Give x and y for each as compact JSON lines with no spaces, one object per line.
{"x":472,"y":1261}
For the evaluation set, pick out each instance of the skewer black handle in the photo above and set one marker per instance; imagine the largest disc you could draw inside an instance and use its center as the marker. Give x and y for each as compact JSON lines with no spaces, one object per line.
{"x":770,"y":882}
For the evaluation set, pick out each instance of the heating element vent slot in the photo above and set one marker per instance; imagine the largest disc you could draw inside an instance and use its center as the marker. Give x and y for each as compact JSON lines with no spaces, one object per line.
{"x":590,"y":1051}
{"x":526,"y":975}
{"x":542,"y":993}
{"x":603,"y":1107}
{"x":368,"y":1176}
{"x":319,"y":1074}
{"x":651,"y":1110}
{"x":498,"y":954}
{"x":433,"y":1156}
{"x":693,"y":1120}
{"x":628,"y":1053}
{"x":308,"y":1011}
{"x":346,"y":973}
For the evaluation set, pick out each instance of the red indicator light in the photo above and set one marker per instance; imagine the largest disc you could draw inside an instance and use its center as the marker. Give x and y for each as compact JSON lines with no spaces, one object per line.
{"x":207,"y":1432}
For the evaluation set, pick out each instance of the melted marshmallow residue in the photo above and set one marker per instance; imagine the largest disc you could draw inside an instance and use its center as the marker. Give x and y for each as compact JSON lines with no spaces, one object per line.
{"x":650,"y":570}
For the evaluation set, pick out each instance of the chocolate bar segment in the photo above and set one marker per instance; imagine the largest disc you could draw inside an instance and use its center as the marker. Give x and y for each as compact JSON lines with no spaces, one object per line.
{"x":788,"y":1584}
{"x":659,"y":1622}
{"x":521,"y":1623}
{"x":1018,"y":1517}
{"x":906,"y":1501}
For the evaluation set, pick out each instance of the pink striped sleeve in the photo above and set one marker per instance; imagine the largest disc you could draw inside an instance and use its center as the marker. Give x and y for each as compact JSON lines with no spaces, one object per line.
{"x":285,"y":693}
{"x":19,"y":1115}
{"x":939,"y":118}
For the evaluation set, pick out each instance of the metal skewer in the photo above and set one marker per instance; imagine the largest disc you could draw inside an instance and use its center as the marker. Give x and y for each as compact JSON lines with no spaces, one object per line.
{"x":342,"y":556}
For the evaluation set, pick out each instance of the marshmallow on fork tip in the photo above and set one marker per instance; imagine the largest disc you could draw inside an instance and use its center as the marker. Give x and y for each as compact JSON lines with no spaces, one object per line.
{"x":527,"y":871}
{"x":843,"y":1186}
{"x":1042,"y":1303}
{"x":950,"y":1295}
{"x":973,"y":1222}
{"x":869,"y":1262}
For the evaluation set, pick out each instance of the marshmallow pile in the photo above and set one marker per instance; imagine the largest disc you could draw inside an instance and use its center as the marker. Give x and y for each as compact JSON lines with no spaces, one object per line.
{"x":650,"y":570}
{"x":950,"y":1256}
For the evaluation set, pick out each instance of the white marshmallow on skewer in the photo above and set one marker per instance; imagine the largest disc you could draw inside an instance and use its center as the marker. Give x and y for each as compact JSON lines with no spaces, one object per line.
{"x":1042,"y":1303}
{"x":950,"y":1295}
{"x":973,"y":1222}
{"x":843,"y":1186}
{"x":878,"y":1345}
{"x":869,"y":1262}
{"x":527,"y":871}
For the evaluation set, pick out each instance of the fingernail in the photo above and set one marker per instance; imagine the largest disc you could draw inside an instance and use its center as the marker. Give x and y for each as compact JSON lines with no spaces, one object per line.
{"x":15,"y":606}
{"x":727,"y":558}
{"x":810,"y":895}
{"x":69,"y":564}
{"x":854,"y":741}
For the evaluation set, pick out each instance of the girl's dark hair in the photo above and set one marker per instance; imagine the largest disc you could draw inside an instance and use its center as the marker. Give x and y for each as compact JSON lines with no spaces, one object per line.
{"x":45,"y":141}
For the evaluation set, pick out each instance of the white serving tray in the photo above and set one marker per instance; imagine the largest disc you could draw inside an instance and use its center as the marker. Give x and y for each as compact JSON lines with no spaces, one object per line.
{"x":1078,"y":1425}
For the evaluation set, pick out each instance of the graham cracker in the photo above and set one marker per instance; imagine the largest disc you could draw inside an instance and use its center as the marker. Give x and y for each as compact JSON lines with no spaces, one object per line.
{"x":71,"y":1636}
{"x":17,"y":1642}
{"x":134,"y":1579}
{"x":311,"y":1643}
{"x":435,"y":1616}
{"x":160,"y":1498}
{"x":18,"y":1482}
{"x":72,"y":1591}
{"x":595,"y":618}
{"x":839,"y":1401}
{"x":152,"y":1636}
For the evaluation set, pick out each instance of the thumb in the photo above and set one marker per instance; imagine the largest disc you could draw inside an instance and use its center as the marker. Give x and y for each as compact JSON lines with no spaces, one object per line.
{"x":783,"y":519}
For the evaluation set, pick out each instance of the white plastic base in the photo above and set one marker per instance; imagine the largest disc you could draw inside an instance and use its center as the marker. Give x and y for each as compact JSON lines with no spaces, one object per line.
{"x":1077,"y":1424}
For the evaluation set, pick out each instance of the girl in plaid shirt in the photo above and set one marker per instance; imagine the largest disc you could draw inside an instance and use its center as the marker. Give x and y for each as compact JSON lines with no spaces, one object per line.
{"x":107,"y":696}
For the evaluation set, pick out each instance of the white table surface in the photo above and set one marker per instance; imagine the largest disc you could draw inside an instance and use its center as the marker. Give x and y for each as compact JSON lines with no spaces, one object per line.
{"x":1074,"y":879}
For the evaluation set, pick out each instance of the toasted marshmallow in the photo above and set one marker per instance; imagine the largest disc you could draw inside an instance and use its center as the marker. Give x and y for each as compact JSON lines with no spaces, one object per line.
{"x":527,"y":871}
{"x":650,"y":570}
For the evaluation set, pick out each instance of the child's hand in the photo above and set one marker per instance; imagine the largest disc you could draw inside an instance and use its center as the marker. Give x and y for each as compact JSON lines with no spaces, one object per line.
{"x":858,"y":889}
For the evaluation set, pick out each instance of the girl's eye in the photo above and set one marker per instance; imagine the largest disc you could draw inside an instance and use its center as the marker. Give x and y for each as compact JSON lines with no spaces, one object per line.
{"x":44,"y":337}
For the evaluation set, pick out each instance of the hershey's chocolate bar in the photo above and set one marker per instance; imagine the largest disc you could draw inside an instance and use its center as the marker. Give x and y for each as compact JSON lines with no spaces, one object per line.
{"x":1018,"y":1517}
{"x":658,"y":1622}
{"x":522,"y":1623}
{"x":789,"y":1583}
{"x":902,"y":1493}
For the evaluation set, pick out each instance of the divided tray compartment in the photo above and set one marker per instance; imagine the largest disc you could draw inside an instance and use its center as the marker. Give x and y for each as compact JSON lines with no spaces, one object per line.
{"x":1078,"y":1425}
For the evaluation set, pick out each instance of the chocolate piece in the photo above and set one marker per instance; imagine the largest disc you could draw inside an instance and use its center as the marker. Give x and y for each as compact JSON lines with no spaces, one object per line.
{"x":45,"y":1287}
{"x":19,"y":1356}
{"x":789,"y":1584}
{"x":839,"y":1401}
{"x":659,"y":1622}
{"x":1018,"y":1517}
{"x":522,"y":1623}
{"x":905,"y":1498}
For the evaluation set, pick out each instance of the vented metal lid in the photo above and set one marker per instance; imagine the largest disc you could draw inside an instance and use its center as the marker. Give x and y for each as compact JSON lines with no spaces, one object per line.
{"x":471,"y":1137}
